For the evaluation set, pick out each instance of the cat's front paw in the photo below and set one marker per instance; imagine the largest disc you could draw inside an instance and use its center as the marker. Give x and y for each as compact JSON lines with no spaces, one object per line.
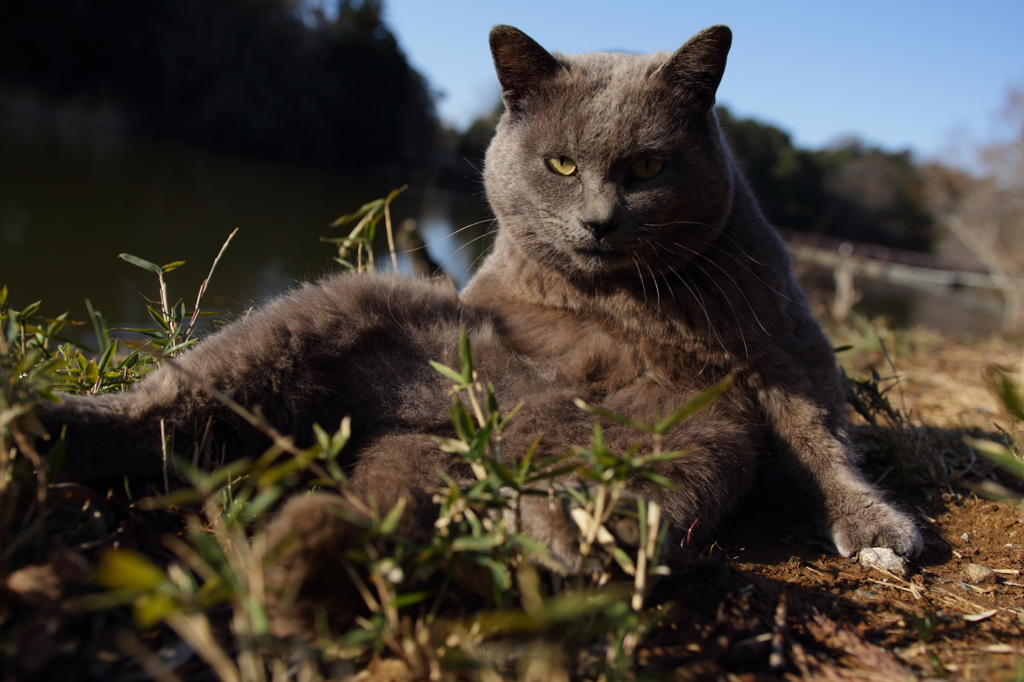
{"x":560,"y":524}
{"x":306,"y":574}
{"x":876,"y":524}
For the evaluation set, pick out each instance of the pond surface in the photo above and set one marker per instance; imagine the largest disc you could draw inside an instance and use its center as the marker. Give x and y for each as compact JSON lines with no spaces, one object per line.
{"x":71,"y":202}
{"x":962,"y":311}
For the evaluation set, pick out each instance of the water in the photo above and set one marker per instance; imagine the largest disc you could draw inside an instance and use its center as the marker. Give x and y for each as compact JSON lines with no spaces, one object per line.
{"x":71,"y":202}
{"x":957,"y":311}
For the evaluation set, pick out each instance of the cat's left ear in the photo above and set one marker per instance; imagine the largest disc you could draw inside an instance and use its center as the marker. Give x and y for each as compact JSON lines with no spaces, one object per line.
{"x":697,"y":66}
{"x":522,"y":65}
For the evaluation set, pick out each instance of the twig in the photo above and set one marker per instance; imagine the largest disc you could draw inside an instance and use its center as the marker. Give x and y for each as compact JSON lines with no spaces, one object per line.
{"x":912,"y":590}
{"x":202,"y":287}
{"x":906,"y":587}
{"x":391,"y":236}
{"x":777,"y":659}
{"x":195,"y":629}
{"x":129,"y":643}
{"x":163,"y":451}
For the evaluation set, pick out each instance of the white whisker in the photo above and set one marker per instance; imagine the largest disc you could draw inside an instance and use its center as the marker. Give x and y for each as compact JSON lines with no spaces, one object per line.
{"x":641,"y":275}
{"x":657,"y":291}
{"x":716,"y":247}
{"x":731,"y":279}
{"x":454,"y":232}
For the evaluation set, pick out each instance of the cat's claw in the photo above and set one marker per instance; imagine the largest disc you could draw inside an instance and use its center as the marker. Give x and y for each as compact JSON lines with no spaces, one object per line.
{"x":877,"y":525}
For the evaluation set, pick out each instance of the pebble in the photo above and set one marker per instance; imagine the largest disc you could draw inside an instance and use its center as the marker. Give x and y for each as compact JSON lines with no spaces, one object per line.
{"x":979,"y":575}
{"x":883,"y":557}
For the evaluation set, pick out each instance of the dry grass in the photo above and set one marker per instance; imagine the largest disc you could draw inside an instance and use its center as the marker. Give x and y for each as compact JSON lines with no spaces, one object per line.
{"x":182,"y":595}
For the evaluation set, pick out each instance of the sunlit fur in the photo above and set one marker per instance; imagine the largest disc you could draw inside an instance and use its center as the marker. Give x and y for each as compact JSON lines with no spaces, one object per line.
{"x":631,"y":290}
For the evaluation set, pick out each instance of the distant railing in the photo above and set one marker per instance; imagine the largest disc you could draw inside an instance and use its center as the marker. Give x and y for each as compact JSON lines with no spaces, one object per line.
{"x":849,"y":259}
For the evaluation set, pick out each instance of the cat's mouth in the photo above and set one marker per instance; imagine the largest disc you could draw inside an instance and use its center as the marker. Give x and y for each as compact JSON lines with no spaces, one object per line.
{"x":594,"y":251}
{"x":595,"y":257}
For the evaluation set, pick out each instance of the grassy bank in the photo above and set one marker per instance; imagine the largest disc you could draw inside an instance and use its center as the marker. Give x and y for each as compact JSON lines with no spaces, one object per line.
{"x":168,"y":577}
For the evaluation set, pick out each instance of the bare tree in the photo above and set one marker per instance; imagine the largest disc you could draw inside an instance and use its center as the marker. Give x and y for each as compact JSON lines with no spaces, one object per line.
{"x":984,"y":208}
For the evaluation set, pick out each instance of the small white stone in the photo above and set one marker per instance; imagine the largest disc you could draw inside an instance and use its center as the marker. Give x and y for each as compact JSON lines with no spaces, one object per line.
{"x":979,"y":575}
{"x":883,"y":557}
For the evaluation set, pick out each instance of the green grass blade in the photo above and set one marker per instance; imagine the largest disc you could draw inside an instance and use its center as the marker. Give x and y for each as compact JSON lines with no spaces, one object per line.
{"x":693,"y":406}
{"x":611,"y":416}
{"x":142,"y":263}
{"x":447,"y":372}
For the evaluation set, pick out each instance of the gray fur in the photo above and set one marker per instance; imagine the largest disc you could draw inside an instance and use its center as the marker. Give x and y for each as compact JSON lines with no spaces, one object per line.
{"x":633,"y":295}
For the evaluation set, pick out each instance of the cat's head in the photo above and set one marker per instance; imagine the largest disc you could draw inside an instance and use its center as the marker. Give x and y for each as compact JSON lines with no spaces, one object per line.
{"x":609,"y":163}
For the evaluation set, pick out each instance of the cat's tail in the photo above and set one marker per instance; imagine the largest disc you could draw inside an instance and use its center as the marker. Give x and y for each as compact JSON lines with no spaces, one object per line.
{"x":100,"y":437}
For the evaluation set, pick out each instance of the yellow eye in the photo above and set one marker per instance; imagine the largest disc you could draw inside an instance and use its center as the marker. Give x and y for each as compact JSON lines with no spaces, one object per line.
{"x":563,"y":165}
{"x":645,"y":168}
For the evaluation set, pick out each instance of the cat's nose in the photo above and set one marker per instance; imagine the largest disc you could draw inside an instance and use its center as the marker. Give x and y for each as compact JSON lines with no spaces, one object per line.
{"x":601,"y":228}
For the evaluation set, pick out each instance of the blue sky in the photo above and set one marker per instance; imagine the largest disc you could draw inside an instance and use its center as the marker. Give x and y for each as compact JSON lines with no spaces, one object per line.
{"x":903,"y":75}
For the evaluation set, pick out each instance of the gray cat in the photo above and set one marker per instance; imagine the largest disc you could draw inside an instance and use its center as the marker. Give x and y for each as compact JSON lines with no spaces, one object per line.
{"x":632,"y":269}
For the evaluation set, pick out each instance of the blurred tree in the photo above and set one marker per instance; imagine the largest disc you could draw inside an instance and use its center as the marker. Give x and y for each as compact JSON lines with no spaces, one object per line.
{"x":878,"y":195}
{"x":848,"y":190}
{"x":787,"y":180}
{"x":272,"y":78}
{"x":984,"y":208}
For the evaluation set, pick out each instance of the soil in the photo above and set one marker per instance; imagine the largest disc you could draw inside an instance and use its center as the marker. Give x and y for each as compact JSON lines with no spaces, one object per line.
{"x":783,"y":605}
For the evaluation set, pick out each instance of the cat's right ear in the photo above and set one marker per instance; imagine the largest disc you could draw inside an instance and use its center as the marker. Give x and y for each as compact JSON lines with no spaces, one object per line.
{"x":697,"y":67}
{"x":521,"y":64}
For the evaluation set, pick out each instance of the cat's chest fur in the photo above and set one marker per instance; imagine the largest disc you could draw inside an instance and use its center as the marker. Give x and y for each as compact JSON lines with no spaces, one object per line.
{"x":604,"y":353}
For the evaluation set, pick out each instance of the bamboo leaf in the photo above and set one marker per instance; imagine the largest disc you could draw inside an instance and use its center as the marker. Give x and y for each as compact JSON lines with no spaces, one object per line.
{"x":552,"y":473}
{"x":463,"y":422}
{"x":107,"y":354}
{"x":121,"y":568}
{"x":502,"y":472}
{"x":693,"y":406}
{"x":658,"y":478}
{"x":530,"y":545}
{"x":1009,"y":395}
{"x":142,"y":263}
{"x":394,"y":193}
{"x":998,"y":453}
{"x":99,"y":326}
{"x":370,"y":208}
{"x":448,"y":372}
{"x":524,"y":463}
{"x":492,"y":403}
{"x":152,"y":609}
{"x":656,"y":458}
{"x":158,"y":317}
{"x":510,"y":415}
{"x":263,"y":501}
{"x":611,"y":416}
{"x":390,"y":522}
{"x":479,"y":544}
{"x":410,"y":598}
{"x":465,"y":356}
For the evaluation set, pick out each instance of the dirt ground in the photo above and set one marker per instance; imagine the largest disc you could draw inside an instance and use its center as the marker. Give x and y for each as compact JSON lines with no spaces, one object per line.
{"x":787,"y":598}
